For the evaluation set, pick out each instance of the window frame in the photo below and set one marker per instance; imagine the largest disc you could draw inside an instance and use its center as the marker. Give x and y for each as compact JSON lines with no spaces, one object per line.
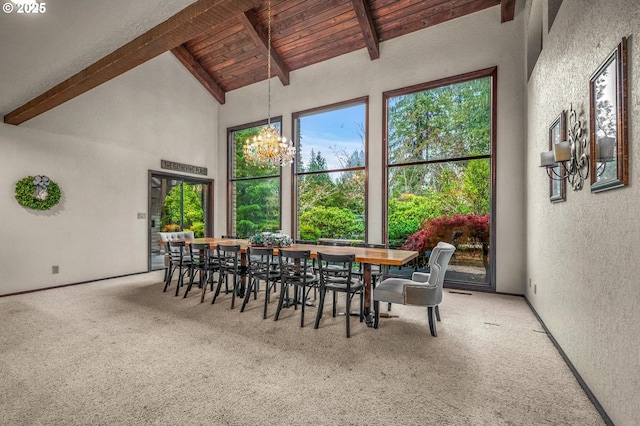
{"x":294,"y":166}
{"x":492,"y":73}
{"x":230,"y":163}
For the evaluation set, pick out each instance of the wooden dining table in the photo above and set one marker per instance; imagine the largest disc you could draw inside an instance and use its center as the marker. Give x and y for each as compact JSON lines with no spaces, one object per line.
{"x":367,"y":256}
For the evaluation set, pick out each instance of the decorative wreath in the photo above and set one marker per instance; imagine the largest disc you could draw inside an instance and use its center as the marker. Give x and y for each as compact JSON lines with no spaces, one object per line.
{"x":38,"y":193}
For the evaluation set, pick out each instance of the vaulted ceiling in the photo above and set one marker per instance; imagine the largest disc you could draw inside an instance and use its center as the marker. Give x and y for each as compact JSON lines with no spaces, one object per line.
{"x":224,"y":43}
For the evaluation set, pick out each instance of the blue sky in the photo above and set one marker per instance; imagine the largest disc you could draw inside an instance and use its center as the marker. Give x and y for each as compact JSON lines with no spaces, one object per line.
{"x":339,"y":127}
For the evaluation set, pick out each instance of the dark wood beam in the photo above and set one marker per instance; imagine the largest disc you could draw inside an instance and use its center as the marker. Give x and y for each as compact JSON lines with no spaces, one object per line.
{"x":183,"y":26}
{"x":260,"y":38}
{"x":195,"y":68}
{"x":507,"y":10}
{"x":368,"y":30}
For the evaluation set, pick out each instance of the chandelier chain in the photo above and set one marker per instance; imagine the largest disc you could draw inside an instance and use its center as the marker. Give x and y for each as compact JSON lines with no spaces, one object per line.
{"x":269,"y":147}
{"x":269,"y":64}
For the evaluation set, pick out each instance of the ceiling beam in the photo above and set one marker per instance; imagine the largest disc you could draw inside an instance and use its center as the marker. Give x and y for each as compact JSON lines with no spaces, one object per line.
{"x":507,"y":10}
{"x":368,"y":30}
{"x":183,"y":26}
{"x":261,"y":39}
{"x":195,"y":68}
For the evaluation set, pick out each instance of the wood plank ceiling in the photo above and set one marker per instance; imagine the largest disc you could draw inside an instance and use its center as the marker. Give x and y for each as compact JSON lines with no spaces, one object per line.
{"x":223,"y":43}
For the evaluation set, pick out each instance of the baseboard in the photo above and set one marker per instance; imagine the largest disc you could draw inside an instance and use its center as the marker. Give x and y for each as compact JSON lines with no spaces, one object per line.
{"x":72,"y":284}
{"x":583,"y":385}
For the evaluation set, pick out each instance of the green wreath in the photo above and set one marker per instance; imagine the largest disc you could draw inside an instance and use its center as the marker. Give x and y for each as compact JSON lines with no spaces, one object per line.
{"x":38,"y":193}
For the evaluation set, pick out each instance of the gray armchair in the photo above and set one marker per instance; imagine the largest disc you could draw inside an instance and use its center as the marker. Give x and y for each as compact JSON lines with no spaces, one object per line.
{"x":423,"y":289}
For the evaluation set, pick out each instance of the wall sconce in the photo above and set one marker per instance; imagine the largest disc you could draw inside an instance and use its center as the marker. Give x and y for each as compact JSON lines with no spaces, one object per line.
{"x":571,"y":155}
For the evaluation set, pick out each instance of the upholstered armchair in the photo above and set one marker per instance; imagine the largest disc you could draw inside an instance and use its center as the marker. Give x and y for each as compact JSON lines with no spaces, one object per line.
{"x":423,"y":289}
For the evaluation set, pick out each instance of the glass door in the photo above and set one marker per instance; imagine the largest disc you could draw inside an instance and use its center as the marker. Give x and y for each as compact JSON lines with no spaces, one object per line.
{"x":177,"y":203}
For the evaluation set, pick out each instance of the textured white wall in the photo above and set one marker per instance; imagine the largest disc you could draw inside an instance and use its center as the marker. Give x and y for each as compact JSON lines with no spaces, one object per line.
{"x":467,"y":44}
{"x":99,"y":147}
{"x":583,"y":253}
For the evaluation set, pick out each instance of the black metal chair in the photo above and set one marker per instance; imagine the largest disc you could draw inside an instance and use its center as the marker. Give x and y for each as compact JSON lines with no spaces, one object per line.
{"x":204,"y":262}
{"x":180,"y":260}
{"x":296,"y":270}
{"x":260,"y":267}
{"x":229,"y":261}
{"x":336,"y":275}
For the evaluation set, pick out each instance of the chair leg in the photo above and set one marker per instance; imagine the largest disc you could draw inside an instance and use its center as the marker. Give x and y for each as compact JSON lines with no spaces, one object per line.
{"x":256,"y":288}
{"x":208,"y":278}
{"x":432,"y":323}
{"x":348,"y":314}
{"x":320,"y":308}
{"x":362,"y":306}
{"x":168,"y":279}
{"x":235,"y":290}
{"x":247,"y":294}
{"x":376,"y":317}
{"x":437,"y":313}
{"x":180,"y":279}
{"x":266,"y":298}
{"x":303,"y":301}
{"x":221,"y":278}
{"x":334,"y":304}
{"x":283,"y":291}
{"x":192,"y":276}
{"x":388,"y":307}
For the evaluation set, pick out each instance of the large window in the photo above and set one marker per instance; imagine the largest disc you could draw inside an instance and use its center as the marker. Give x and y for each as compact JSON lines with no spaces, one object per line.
{"x":439,"y":171}
{"x":329,"y":171}
{"x":254,"y":190}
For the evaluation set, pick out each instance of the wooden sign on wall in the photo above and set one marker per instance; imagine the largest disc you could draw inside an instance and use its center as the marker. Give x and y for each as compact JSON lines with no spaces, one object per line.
{"x":186,"y":168}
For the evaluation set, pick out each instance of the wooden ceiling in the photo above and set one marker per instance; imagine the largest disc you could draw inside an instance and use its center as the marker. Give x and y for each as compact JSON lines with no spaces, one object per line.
{"x":223,"y":43}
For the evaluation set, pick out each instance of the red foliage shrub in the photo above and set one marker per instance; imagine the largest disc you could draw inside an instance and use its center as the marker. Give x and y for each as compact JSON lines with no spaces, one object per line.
{"x":469,"y":228}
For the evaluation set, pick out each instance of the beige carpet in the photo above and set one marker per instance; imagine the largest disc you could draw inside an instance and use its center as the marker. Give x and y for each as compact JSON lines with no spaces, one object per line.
{"x":122,"y":352}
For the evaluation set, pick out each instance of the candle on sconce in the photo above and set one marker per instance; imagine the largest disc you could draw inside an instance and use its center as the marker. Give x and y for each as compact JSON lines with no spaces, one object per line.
{"x":562,"y":151}
{"x":546,"y":159}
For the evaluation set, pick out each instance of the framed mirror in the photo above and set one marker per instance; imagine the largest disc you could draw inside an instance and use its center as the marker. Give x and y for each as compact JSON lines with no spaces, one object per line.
{"x":608,"y":112}
{"x":557,"y":181}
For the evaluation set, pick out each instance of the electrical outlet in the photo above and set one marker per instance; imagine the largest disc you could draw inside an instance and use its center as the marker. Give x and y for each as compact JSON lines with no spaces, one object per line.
{"x":535,"y":289}
{"x":142,"y":215}
{"x":55,"y":269}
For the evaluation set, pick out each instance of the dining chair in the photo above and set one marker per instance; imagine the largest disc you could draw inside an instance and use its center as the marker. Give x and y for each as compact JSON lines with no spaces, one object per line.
{"x":180,"y":260}
{"x":164,"y":238}
{"x":260,"y":267}
{"x":336,"y":275}
{"x":229,"y":261}
{"x":204,"y":263}
{"x":423,"y":289}
{"x":296,"y":270}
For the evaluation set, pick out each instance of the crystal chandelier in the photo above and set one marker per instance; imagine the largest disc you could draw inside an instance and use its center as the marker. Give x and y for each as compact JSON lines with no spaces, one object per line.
{"x":268,"y":147}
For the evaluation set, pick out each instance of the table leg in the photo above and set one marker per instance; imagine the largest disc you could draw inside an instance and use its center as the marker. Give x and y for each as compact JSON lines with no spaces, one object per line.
{"x":368,"y":294}
{"x":243,"y":274}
